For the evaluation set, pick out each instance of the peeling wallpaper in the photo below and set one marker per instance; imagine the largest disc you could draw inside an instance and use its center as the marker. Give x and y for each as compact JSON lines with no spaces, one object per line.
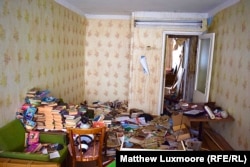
{"x":230,"y":86}
{"x":41,"y":45}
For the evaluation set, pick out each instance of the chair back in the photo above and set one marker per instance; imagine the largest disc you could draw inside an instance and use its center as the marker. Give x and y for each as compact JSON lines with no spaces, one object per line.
{"x":86,"y":144}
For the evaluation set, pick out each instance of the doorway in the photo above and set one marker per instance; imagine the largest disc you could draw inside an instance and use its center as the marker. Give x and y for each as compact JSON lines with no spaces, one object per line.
{"x":180,"y":63}
{"x":186,"y":39}
{"x":192,"y":62}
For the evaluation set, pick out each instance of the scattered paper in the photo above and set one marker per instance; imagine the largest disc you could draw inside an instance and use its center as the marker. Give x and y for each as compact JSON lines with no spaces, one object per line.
{"x":123,"y":118}
{"x":45,"y":151}
{"x":138,"y":120}
{"x":144,"y":65}
{"x":54,"y":155}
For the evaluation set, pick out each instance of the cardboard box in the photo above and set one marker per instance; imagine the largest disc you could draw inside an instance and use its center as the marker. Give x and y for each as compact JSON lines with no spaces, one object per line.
{"x":181,"y":132}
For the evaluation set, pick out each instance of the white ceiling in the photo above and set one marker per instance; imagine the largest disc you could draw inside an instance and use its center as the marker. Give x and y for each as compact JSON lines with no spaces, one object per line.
{"x":126,"y":7}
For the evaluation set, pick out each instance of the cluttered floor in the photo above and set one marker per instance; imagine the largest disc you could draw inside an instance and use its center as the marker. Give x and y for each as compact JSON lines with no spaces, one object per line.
{"x":133,"y":128}
{"x":210,"y":141}
{"x":106,"y":160}
{"x":208,"y":144}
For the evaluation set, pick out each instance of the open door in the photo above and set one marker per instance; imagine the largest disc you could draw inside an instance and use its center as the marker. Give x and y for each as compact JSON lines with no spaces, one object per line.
{"x":203,"y":68}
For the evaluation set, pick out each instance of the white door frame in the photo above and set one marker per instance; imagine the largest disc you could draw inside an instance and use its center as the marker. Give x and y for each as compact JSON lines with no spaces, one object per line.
{"x":162,"y":82}
{"x":205,"y":55}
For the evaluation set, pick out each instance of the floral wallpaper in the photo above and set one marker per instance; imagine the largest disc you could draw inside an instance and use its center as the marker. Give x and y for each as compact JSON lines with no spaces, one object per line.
{"x":45,"y":45}
{"x":41,"y":45}
{"x":107,"y":59}
{"x":230,"y":84}
{"x":145,"y":88}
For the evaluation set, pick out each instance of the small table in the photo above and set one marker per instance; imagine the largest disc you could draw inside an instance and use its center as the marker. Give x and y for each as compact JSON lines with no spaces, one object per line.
{"x":205,"y":118}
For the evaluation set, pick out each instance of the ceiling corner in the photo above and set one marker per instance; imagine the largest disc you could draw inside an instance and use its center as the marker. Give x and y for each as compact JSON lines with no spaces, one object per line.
{"x":70,"y":7}
{"x":221,"y":7}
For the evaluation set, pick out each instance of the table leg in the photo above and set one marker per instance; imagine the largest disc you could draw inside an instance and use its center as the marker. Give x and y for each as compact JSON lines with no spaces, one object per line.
{"x":200,"y":131}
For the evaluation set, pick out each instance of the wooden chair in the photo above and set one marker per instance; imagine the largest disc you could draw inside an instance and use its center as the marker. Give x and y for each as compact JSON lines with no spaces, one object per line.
{"x":95,"y":147}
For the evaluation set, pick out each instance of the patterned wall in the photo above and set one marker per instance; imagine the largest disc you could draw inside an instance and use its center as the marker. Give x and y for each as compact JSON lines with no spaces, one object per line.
{"x":41,"y":45}
{"x":107,"y":59}
{"x":230,"y":87}
{"x":145,"y":88}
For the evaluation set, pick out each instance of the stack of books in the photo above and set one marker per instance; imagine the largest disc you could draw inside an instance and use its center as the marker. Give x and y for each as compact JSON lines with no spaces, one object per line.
{"x":59,"y":108}
{"x":58,"y":117}
{"x":35,"y":97}
{"x":29,"y":117}
{"x":31,"y":97}
{"x":36,"y":93}
{"x":49,"y":120}
{"x":71,"y":121}
{"x":58,"y":121}
{"x":107,"y":122}
{"x":32,"y":93}
{"x":49,"y":101}
{"x":73,"y":110}
{"x":40,"y":120}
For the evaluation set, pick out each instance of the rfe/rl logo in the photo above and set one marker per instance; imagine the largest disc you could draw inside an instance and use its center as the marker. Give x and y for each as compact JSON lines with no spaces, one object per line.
{"x":225,"y":158}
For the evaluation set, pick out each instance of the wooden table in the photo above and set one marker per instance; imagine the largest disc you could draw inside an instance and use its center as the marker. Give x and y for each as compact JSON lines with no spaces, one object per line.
{"x":205,"y":118}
